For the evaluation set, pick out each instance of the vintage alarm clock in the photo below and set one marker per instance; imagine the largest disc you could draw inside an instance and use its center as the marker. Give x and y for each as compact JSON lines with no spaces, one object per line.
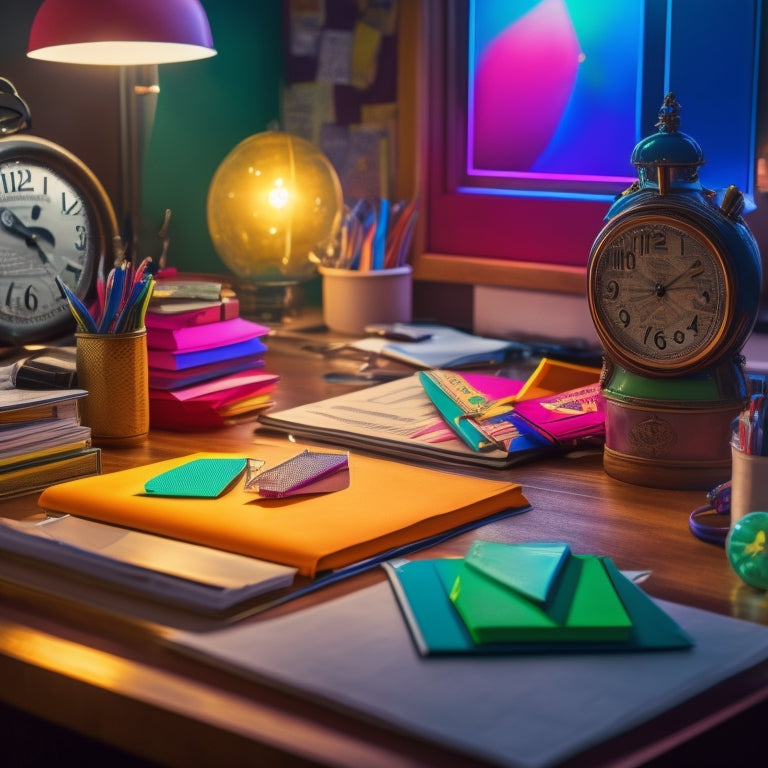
{"x":55,"y":219}
{"x":673,"y":284}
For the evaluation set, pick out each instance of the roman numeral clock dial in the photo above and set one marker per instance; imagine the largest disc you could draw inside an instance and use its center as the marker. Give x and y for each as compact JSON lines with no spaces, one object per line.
{"x":673,"y":284}
{"x":56,"y":220}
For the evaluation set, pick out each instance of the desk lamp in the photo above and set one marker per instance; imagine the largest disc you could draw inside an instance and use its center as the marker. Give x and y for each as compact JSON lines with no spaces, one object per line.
{"x":135,"y":35}
{"x":275,"y":207}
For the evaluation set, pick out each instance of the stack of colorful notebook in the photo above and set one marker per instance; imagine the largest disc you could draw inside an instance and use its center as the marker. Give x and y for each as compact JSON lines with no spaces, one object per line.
{"x":42,"y":441}
{"x":527,"y":598}
{"x":206,"y":364}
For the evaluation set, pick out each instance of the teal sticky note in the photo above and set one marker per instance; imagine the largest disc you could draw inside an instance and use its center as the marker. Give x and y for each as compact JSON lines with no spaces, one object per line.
{"x":530,"y":569}
{"x":199,"y":478}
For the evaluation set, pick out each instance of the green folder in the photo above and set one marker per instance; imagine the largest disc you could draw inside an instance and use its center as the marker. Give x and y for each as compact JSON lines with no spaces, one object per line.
{"x":422,"y":586}
{"x":583,"y":608}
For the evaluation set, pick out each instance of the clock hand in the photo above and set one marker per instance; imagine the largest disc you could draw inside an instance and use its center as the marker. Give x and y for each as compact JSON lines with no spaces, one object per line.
{"x":13,"y":224}
{"x":693,"y":271}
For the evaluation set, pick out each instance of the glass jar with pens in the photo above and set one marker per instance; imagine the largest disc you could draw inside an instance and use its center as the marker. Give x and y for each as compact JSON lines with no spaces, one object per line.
{"x":111,"y":348}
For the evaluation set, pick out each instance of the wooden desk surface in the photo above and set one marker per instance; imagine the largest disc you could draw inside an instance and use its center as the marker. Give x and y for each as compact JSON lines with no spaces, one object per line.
{"x":113,"y":680}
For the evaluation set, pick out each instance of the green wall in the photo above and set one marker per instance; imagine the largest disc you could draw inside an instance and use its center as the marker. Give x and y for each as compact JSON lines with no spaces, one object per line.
{"x":204,"y":109}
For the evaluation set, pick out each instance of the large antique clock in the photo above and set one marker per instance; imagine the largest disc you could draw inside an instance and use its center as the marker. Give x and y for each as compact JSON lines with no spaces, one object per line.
{"x":673,"y":284}
{"x":55,"y":220}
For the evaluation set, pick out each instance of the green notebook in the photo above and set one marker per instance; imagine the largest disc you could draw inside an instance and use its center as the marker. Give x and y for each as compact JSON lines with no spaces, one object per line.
{"x":422,"y":586}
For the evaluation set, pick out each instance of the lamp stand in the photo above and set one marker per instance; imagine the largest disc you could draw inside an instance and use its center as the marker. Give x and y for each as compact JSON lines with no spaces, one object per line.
{"x":139,"y":89}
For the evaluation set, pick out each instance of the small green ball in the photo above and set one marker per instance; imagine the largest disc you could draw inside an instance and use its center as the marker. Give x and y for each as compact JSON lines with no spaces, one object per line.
{"x":747,"y":549}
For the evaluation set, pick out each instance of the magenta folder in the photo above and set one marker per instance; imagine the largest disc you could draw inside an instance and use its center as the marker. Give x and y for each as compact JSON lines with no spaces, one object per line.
{"x":201,"y":337}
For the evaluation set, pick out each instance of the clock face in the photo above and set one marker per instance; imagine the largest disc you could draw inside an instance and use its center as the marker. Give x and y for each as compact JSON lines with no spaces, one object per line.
{"x":55,"y":220}
{"x":659,"y":294}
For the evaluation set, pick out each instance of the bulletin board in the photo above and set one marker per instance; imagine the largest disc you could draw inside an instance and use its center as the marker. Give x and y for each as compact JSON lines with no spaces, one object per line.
{"x":341,"y":87}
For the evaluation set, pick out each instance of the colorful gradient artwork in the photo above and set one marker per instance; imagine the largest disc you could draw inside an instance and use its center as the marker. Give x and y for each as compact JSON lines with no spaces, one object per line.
{"x":553,"y":88}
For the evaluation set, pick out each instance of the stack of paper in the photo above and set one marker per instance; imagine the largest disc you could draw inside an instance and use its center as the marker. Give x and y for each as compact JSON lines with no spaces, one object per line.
{"x":42,"y":441}
{"x":527,"y":597}
{"x":152,"y":567}
{"x":204,"y":364}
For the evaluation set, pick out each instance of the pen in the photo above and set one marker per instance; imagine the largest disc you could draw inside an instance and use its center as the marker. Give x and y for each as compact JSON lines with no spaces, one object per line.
{"x":748,"y":429}
{"x":114,"y":295}
{"x":755,"y":424}
{"x":79,"y":311}
{"x":144,"y":302}
{"x":374,"y":236}
{"x":400,"y":234}
{"x":126,"y":319}
{"x":380,"y":234}
{"x":127,"y":296}
{"x":365,"y":261}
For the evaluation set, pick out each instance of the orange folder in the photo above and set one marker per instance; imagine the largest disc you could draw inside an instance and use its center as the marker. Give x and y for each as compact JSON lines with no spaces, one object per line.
{"x":387,"y":504}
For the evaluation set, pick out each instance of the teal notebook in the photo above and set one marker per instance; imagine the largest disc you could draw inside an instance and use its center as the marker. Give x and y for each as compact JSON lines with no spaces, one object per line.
{"x":422,"y":588}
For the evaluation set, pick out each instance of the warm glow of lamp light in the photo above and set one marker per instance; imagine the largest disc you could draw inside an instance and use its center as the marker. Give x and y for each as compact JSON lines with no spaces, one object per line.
{"x":274,"y":209}
{"x":135,"y":35}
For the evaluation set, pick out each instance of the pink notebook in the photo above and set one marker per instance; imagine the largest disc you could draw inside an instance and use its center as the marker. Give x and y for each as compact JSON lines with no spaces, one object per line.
{"x":206,"y":336}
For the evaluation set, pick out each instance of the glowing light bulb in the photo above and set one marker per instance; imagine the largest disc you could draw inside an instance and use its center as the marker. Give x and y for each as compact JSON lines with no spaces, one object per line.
{"x":274,"y":208}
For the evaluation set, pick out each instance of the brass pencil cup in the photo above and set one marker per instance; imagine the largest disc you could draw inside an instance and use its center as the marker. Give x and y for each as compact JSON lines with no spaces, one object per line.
{"x":113,"y":368}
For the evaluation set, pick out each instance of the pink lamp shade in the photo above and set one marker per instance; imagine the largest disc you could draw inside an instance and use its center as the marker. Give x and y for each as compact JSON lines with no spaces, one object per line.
{"x":120,"y":32}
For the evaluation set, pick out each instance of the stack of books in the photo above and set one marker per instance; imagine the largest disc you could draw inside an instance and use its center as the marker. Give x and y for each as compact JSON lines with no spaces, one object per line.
{"x":532,"y":597}
{"x":42,"y":441}
{"x":206,"y":363}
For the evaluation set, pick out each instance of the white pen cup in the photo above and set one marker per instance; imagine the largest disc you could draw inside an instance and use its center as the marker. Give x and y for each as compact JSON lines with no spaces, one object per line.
{"x":353,"y":299}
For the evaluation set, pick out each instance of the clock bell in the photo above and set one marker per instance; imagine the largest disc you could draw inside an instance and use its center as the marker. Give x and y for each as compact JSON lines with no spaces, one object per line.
{"x":673,"y":284}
